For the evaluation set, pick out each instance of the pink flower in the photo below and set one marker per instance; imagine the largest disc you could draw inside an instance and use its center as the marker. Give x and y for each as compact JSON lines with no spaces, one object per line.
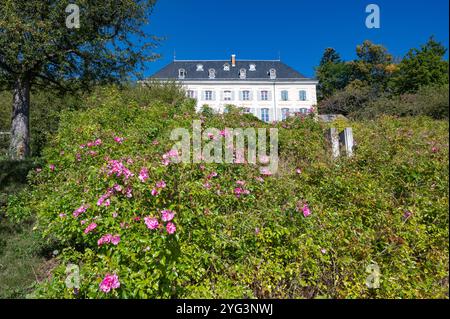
{"x":151,"y":222}
{"x":238,"y":191}
{"x":434,"y":149}
{"x":83,"y":222}
{"x":52,"y":167}
{"x":98,"y":142}
{"x":129,"y":192}
{"x":259,"y":179}
{"x":62,"y":215}
{"x":115,"y":240}
{"x":154,"y":192}
{"x":298,"y":171}
{"x":207,"y":185}
{"x":117,"y":168}
{"x":155,"y":142}
{"x":78,"y":157}
{"x":257,"y":231}
{"x":38,"y":170}
{"x":118,"y":139}
{"x":143,"y":174}
{"x":210,"y":136}
{"x":407,"y":214}
{"x":109,"y":282}
{"x":161,"y":184}
{"x":264,"y":159}
{"x":323,"y":251}
{"x":80,"y":210}
{"x":213,"y":174}
{"x":242,"y":183}
{"x":90,"y":228}
{"x":265,"y":171}
{"x":114,"y":214}
{"x":171,"y":228}
{"x":305,"y":210}
{"x":167,"y":215}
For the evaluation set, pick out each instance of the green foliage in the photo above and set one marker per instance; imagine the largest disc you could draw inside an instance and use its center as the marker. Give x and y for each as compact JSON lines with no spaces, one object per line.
{"x":430,"y":101}
{"x":422,"y":67}
{"x":253,"y":246}
{"x":37,"y":46}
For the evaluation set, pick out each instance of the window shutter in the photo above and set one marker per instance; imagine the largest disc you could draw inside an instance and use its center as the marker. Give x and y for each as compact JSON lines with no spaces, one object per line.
{"x":203,"y":95}
{"x":213,"y":95}
{"x":232,"y":95}
{"x":271,"y":115}
{"x":258,"y":113}
{"x":269,"y":95}
{"x":241,"y":95}
{"x":222,"y":96}
{"x":259,"y":96}
{"x":250,"y":95}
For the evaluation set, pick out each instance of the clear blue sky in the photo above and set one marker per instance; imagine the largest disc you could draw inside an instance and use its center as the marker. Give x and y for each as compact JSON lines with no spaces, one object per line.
{"x":299,"y":29}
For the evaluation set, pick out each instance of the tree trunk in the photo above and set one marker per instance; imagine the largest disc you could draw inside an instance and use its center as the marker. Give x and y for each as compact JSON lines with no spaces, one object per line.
{"x":19,"y":147}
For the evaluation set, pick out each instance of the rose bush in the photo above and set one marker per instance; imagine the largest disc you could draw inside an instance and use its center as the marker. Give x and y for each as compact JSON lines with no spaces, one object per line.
{"x":138,"y":225}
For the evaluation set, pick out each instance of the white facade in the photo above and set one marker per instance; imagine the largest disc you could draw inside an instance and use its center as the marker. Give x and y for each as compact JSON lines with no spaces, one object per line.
{"x":277,"y":99}
{"x":269,"y":89}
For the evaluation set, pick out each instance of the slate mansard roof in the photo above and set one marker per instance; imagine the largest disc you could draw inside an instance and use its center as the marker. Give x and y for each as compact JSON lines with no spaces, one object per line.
{"x":261,"y":72}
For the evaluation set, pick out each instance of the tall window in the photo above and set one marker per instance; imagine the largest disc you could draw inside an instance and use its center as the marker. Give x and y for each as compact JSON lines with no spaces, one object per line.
{"x":246,"y":95}
{"x":181,"y":73}
{"x":302,"y":95}
{"x":273,"y":74}
{"x":191,"y":94}
{"x":242,"y":73}
{"x":265,"y":115}
{"x":284,"y":114}
{"x":227,"y":95}
{"x":208,"y":95}
{"x":212,"y":73}
{"x":284,"y":95}
{"x":264,"y":95}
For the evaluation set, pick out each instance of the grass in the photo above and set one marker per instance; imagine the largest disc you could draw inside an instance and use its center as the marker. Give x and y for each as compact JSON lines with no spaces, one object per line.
{"x":22,"y":260}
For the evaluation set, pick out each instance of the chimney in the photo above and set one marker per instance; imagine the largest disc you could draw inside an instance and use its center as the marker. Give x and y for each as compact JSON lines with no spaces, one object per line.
{"x":233,"y":60}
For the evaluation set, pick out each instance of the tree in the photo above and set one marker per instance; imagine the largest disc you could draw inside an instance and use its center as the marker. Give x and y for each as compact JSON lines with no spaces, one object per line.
{"x":374,"y":66}
{"x":38,"y":49}
{"x":333,"y":74}
{"x":422,"y":67}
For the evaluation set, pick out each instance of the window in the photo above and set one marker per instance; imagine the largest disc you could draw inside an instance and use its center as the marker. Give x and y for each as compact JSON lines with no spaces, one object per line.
{"x":302,"y":95}
{"x":227,"y":95}
{"x":265,"y":115}
{"x":284,"y":95}
{"x":212,"y":73}
{"x":208,"y":95}
{"x":246,"y":95}
{"x":181,"y":73}
{"x":264,"y":95}
{"x":247,"y":110}
{"x":284,"y":114}
{"x":226,"y":67}
{"x":191,"y":94}
{"x":273,"y":73}
{"x":252,"y":67}
{"x":303,"y":110}
{"x":199,"y":67}
{"x":242,"y":73}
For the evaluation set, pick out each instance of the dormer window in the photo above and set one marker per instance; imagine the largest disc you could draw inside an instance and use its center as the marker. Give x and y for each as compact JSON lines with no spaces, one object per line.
{"x":226,"y":67}
{"x":212,"y":73}
{"x":273,"y":74}
{"x":242,"y":73}
{"x":199,"y":67}
{"x":252,"y":67}
{"x":181,"y":73}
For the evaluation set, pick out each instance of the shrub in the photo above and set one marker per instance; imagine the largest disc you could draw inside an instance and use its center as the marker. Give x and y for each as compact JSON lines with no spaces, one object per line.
{"x":308,"y":231}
